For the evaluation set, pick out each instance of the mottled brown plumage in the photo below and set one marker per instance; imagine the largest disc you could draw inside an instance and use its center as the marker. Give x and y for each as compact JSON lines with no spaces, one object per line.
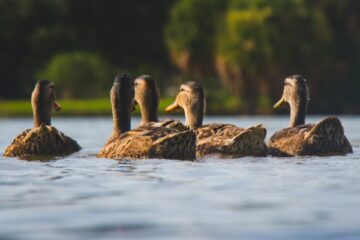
{"x":226,"y":140}
{"x":237,"y":143}
{"x":43,"y":139}
{"x":150,"y":142}
{"x":145,"y":141}
{"x":325,"y":138}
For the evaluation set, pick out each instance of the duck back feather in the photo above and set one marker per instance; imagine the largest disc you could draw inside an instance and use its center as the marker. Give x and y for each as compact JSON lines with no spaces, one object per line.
{"x":42,"y":140}
{"x":325,"y":138}
{"x":236,"y":143}
{"x":152,"y":142}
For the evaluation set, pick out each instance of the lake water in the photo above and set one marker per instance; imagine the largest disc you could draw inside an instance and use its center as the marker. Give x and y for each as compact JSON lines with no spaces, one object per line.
{"x":82,"y":197}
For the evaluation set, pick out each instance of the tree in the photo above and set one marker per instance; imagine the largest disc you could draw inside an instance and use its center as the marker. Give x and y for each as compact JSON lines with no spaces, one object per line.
{"x":79,"y":74}
{"x":263,"y":41}
{"x":191,"y":34}
{"x":255,"y":44}
{"x":127,"y":34}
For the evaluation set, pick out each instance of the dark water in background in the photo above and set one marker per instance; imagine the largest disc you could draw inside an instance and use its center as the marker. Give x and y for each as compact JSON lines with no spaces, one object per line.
{"x":82,"y":197}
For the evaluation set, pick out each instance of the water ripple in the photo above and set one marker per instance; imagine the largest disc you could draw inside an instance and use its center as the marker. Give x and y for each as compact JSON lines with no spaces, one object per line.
{"x":81,"y":196}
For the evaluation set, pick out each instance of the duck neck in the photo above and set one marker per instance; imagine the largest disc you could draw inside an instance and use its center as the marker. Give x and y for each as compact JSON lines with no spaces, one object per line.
{"x":41,"y":112}
{"x":194,"y":117}
{"x":298,"y":112}
{"x":41,"y":117}
{"x":148,"y":112}
{"x":121,"y":118}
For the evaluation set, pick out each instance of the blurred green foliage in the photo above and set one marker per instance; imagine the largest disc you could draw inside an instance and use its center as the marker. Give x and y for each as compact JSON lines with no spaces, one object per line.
{"x":126,"y":34}
{"x":258,"y":42}
{"x":252,"y":45}
{"x":190,"y":33}
{"x":240,"y":50}
{"x":79,"y":74}
{"x":102,"y":106}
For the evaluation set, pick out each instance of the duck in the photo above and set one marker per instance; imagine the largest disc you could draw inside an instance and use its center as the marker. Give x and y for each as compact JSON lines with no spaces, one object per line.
{"x":143,"y":142}
{"x":225,"y":140}
{"x":43,"y":139}
{"x":300,"y":139}
{"x":147,"y":97}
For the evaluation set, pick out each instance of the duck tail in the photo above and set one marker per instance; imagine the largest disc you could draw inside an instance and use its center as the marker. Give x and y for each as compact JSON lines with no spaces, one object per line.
{"x":328,"y":136}
{"x":250,"y":141}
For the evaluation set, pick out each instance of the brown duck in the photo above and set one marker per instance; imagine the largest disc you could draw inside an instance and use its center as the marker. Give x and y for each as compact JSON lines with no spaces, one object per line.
{"x":145,"y":141}
{"x":147,"y":96}
{"x":226,"y":140}
{"x":43,"y":139}
{"x":325,"y":138}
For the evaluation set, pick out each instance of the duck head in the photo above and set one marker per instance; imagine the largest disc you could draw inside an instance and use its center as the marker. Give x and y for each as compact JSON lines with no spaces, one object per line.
{"x":191,"y":98}
{"x":43,"y":100}
{"x":296,"y":94}
{"x":122,"y":97}
{"x":147,"y":96}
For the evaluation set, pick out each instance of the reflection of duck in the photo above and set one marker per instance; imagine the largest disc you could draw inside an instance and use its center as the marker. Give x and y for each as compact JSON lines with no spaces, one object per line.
{"x":224,"y":139}
{"x":147,"y":96}
{"x":145,"y":141}
{"x":43,"y":139}
{"x":325,"y":138}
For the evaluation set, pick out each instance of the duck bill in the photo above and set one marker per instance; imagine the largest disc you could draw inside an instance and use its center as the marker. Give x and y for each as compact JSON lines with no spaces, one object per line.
{"x":172,"y":107}
{"x":279,"y":103}
{"x":56,"y":106}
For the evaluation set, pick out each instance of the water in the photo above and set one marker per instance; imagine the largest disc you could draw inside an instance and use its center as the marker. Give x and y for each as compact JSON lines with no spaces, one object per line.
{"x":82,"y":197}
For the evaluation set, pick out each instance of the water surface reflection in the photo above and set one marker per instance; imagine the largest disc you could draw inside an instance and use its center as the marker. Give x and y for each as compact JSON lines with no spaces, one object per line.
{"x":80,"y":196}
